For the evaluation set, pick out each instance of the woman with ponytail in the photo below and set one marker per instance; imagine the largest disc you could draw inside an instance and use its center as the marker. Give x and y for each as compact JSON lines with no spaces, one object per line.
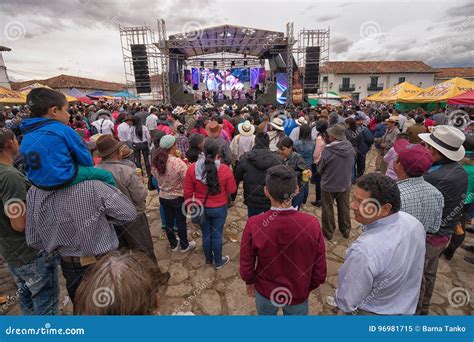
{"x":209,"y":182}
{"x":170,"y":171}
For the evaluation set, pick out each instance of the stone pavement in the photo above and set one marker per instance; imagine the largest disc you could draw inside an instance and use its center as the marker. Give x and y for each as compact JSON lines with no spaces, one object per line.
{"x":202,"y":290}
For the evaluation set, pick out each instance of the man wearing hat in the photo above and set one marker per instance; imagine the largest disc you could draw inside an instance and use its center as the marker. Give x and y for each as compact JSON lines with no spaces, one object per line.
{"x":276,"y":134}
{"x":242,"y":142}
{"x":189,"y":119}
{"x":136,"y":234}
{"x":295,"y":133}
{"x":388,"y":139}
{"x":104,"y":123}
{"x":213,"y":130}
{"x":335,"y":168}
{"x":450,"y":178}
{"x":123,"y":130}
{"x":418,"y":197}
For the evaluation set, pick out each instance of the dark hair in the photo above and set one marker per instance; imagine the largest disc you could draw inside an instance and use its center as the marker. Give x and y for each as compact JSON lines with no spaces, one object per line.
{"x":402,"y":135}
{"x":352,"y":124}
{"x":305,"y":132}
{"x":211,"y":149}
{"x":285,"y":142}
{"x":137,"y":124}
{"x":181,"y":129}
{"x":120,"y":118}
{"x":5,"y":135}
{"x":383,"y":189}
{"x":281,"y":182}
{"x":321,"y":127}
{"x":160,"y":159}
{"x":262,"y":140}
{"x":41,"y":99}
{"x":419,"y":119}
{"x":156,"y":136}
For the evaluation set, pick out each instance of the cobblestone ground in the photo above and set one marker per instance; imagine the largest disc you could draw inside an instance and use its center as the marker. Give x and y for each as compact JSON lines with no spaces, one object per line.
{"x":202,"y":290}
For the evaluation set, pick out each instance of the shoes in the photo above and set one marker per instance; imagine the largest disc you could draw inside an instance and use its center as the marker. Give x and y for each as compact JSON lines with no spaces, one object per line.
{"x":225,"y":260}
{"x":469,"y":229}
{"x":448,"y":255}
{"x":468,"y":248}
{"x":316,"y":203}
{"x":346,"y":235}
{"x":191,"y":246}
{"x":469,"y":260}
{"x":176,"y":248}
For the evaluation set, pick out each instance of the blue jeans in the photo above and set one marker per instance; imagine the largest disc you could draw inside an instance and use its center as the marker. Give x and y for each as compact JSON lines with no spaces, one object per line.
{"x":38,"y":286}
{"x":255,"y":211}
{"x":265,"y":307}
{"x":299,"y":199}
{"x":212,"y":230}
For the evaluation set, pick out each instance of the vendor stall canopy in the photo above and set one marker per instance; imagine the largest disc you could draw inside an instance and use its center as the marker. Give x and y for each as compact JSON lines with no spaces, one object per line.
{"x":440,"y":92}
{"x":225,"y":38}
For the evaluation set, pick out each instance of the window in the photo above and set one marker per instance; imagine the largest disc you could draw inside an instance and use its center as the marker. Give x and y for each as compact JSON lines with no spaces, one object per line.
{"x":373,"y":81}
{"x":325,"y":78}
{"x":345,"y":82}
{"x":401,"y":79}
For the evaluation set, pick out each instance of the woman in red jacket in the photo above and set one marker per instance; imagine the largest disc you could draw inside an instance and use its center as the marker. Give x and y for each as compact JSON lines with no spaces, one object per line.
{"x":209,"y":181}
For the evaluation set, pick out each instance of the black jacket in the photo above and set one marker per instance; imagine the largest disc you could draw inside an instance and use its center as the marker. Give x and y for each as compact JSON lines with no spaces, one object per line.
{"x":252,"y":170}
{"x":451,"y":179}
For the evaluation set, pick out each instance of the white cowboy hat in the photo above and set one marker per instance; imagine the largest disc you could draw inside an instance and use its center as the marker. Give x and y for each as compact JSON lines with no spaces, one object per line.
{"x":301,"y":121}
{"x":447,"y":140}
{"x":246,"y":129}
{"x":393,"y":118}
{"x":277,"y":123}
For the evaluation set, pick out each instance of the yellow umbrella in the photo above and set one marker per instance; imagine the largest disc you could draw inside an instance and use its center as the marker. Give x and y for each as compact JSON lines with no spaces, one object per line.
{"x":392,"y":94}
{"x":27,"y":89}
{"x":440,"y":92}
{"x":8,"y":96}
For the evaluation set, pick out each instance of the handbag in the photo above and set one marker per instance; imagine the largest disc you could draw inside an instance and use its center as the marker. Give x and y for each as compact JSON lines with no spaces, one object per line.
{"x":199,"y":215}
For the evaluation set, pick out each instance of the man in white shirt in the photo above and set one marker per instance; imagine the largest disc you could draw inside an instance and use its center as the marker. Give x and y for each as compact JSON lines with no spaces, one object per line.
{"x":152,"y":120}
{"x":123,"y":130}
{"x":104,"y":124}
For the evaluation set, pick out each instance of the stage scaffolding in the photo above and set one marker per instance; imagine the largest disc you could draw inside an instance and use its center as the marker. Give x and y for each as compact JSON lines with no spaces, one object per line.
{"x":194,"y":48}
{"x":141,"y":35}
{"x":313,"y":38}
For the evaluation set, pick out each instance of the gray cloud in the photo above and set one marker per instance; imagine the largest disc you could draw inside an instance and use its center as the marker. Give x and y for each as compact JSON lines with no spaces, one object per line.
{"x":326,"y":17}
{"x":465,"y":10}
{"x":340,"y":44}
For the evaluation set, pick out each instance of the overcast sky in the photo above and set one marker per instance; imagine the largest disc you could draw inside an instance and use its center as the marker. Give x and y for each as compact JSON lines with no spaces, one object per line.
{"x":81,"y":37}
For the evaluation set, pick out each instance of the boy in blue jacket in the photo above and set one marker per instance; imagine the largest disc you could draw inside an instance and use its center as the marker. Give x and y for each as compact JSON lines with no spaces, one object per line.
{"x":53,"y":154}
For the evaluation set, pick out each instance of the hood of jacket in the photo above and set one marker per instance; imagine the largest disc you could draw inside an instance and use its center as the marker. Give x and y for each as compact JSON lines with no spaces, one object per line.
{"x":343,"y":148}
{"x":32,"y":124}
{"x":261,"y":158}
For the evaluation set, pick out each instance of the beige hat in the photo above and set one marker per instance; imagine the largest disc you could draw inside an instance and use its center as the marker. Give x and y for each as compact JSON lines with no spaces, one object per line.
{"x":246,"y":128}
{"x":301,"y":121}
{"x":393,"y":118}
{"x":277,"y":123}
{"x":447,"y":140}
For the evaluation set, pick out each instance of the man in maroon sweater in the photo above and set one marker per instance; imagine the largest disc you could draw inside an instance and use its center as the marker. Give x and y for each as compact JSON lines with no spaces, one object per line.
{"x":282,"y":254}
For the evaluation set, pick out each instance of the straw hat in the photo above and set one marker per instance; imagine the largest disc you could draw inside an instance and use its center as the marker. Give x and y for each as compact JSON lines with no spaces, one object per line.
{"x":246,"y":129}
{"x":213,"y":129}
{"x":393,"y":118}
{"x":447,"y":140}
{"x":106,"y":145}
{"x":301,"y":121}
{"x":277,"y":123}
{"x":190,"y":111}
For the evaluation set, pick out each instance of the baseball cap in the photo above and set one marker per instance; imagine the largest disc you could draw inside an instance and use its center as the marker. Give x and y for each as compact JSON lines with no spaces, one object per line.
{"x":415,"y":159}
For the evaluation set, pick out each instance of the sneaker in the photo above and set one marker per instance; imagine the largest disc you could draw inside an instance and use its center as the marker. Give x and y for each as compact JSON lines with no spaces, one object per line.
{"x":176,"y":248}
{"x":316,"y":203}
{"x":469,"y":260}
{"x":468,"y":248}
{"x":191,"y":246}
{"x":225,"y":260}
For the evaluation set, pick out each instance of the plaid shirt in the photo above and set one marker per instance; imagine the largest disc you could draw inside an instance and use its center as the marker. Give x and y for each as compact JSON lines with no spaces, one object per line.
{"x":182,"y":143}
{"x":423,"y":201}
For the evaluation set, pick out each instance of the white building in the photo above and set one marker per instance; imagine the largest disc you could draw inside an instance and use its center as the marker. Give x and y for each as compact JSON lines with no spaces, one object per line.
{"x":361,"y":79}
{"x":4,"y":80}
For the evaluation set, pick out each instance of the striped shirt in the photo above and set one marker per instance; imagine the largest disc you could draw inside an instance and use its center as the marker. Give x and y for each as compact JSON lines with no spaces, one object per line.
{"x":76,"y":221}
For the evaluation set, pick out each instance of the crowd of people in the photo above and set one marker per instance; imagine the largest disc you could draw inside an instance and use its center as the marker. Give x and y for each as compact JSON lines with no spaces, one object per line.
{"x":74,"y":180}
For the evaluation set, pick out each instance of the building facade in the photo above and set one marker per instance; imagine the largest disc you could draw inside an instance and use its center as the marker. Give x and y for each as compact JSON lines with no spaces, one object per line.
{"x":361,"y":79}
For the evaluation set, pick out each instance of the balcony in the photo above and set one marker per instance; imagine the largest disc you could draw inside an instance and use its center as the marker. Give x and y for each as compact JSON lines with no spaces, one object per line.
{"x":347,"y":87}
{"x":374,"y":87}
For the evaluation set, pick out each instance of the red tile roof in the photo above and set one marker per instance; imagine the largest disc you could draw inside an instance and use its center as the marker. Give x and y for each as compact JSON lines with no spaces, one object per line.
{"x":66,"y":81}
{"x":377,"y":67}
{"x":448,"y":73}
